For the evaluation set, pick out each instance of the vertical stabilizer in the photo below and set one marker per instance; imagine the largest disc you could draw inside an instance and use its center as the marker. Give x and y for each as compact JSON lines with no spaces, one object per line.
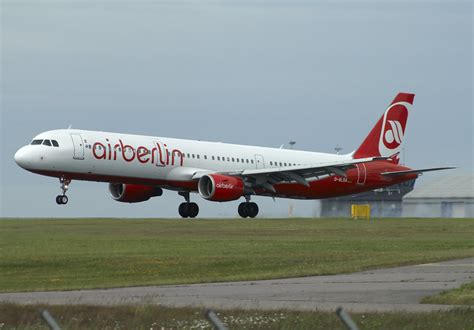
{"x":386,"y":138}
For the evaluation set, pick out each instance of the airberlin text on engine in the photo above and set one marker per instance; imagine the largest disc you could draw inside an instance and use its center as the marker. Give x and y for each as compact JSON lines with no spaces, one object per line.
{"x":160,"y":154}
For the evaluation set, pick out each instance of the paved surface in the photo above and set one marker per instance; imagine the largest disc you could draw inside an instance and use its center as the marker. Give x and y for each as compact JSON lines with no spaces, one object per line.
{"x":390,"y":289}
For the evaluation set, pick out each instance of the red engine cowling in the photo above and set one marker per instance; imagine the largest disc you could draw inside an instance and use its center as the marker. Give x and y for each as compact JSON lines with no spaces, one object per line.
{"x":133,"y":193}
{"x":220,"y":188}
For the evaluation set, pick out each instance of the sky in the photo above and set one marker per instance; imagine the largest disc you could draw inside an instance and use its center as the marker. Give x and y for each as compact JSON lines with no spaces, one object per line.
{"x":253,"y":72}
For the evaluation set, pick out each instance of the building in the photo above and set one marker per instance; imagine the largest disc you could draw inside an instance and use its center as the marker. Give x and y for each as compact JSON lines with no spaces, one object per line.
{"x":449,"y":197}
{"x":386,"y":202}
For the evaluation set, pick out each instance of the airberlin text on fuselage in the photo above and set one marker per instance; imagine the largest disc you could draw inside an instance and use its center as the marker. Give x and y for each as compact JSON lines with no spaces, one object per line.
{"x":158,"y":155}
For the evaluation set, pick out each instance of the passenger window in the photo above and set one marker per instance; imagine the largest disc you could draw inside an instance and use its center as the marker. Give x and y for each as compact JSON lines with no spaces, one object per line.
{"x":218,"y":158}
{"x":242,"y":160}
{"x":237,"y":160}
{"x":47,"y":143}
{"x":213,"y":158}
{"x":228,"y":159}
{"x":197,"y":156}
{"x":247,"y":161}
{"x":36,"y":142}
{"x":55,"y":143}
{"x":233,"y":160}
{"x":251,"y":161}
{"x":193,"y":155}
{"x":205,"y":156}
{"x":187,"y":156}
{"x":281,"y":164}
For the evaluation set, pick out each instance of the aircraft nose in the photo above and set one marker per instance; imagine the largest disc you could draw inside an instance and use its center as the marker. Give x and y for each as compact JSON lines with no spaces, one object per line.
{"x":21,"y":157}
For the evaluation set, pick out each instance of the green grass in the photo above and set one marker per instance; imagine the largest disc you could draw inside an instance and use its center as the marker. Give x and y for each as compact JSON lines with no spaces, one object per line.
{"x":65,"y":254}
{"x":463,"y":295}
{"x":154,"y":317}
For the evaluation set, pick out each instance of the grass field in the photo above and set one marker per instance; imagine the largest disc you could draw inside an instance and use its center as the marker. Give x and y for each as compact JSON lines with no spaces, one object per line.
{"x":96,"y":253}
{"x":154,"y":317}
{"x":460,"y":296}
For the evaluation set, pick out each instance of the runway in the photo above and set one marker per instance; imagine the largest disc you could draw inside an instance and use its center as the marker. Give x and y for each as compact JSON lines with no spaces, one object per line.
{"x":391,"y":289}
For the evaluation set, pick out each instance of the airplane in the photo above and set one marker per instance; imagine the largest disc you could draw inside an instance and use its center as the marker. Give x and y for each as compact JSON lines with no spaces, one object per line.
{"x":138,"y":168}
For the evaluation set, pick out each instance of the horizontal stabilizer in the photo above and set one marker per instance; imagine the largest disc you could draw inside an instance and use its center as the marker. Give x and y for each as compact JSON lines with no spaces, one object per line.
{"x":397,"y":173}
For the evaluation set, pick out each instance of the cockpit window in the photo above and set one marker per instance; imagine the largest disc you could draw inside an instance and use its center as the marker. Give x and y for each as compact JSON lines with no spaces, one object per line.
{"x":47,"y":143}
{"x":36,"y":142}
{"x":55,"y":143}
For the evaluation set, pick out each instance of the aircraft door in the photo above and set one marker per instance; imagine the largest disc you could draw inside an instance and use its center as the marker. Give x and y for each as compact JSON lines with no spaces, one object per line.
{"x":259,"y":161}
{"x":361,"y":174}
{"x":78,"y":146}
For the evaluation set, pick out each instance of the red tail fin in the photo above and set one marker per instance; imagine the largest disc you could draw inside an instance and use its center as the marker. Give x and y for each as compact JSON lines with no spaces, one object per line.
{"x":386,"y":138}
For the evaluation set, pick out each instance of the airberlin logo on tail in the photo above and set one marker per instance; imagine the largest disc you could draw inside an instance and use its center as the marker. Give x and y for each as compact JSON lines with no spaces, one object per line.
{"x":393,"y":135}
{"x":393,"y":129}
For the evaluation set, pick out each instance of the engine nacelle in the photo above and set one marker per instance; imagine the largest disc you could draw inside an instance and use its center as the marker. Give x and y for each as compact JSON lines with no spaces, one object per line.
{"x":220,"y":188}
{"x":133,"y":193}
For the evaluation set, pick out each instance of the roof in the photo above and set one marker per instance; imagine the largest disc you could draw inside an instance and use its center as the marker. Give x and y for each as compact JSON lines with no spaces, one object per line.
{"x":453,"y":186}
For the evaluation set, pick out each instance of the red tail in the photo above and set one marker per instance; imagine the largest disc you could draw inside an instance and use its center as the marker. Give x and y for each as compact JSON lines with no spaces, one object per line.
{"x":386,"y":138}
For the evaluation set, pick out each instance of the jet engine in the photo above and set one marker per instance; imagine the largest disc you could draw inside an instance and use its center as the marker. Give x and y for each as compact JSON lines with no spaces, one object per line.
{"x":220,"y":188}
{"x":133,"y":193}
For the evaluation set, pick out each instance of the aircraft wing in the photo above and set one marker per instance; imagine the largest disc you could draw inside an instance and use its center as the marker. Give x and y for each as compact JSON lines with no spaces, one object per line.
{"x":267,"y":177}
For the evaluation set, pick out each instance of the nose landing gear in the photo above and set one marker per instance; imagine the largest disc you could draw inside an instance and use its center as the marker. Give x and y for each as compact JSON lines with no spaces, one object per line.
{"x":62,"y":199}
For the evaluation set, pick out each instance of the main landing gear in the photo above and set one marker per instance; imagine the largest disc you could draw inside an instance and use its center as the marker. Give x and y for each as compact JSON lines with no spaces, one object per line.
{"x":187,"y":209}
{"x":62,"y":199}
{"x":248,"y":209}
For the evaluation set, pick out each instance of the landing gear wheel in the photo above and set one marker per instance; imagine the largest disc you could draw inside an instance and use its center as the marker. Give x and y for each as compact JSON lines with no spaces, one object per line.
{"x":188,"y":210}
{"x":252,"y":210}
{"x":243,"y":210}
{"x":62,"y":199}
{"x":248,"y":209}
{"x":183,"y":210}
{"x":193,"y":210}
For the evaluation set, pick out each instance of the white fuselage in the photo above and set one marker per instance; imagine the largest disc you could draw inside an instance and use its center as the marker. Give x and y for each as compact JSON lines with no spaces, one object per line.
{"x":157,"y":158}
